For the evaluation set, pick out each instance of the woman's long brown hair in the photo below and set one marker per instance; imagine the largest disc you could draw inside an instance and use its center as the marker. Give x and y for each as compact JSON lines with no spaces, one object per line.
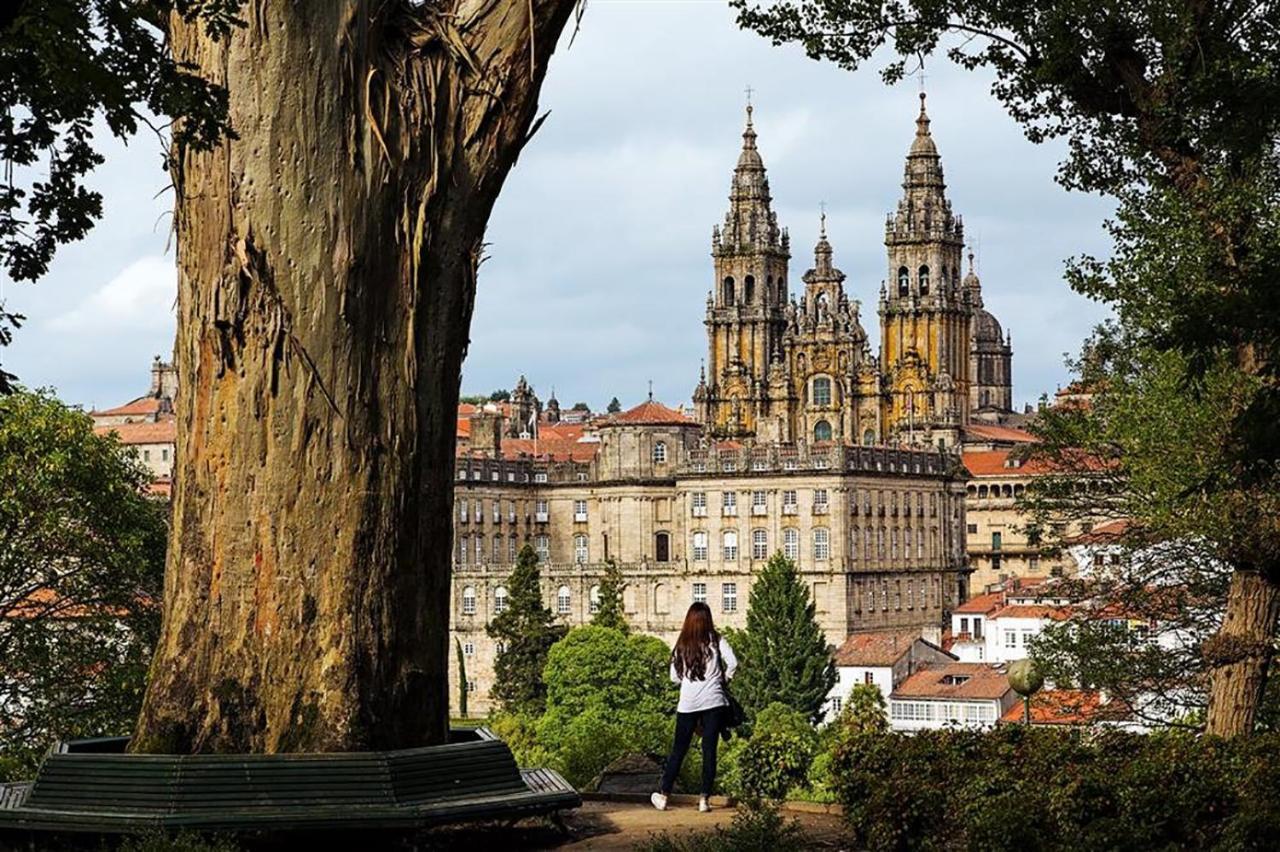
{"x":697,"y":637}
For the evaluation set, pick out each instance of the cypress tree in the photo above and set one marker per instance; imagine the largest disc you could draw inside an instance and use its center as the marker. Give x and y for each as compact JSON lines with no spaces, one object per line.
{"x":462,"y":678}
{"x":610,"y":612}
{"x":783,"y":656}
{"x":527,"y":630}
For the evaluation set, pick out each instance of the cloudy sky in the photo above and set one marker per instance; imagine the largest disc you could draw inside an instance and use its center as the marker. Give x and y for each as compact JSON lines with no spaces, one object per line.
{"x":599,"y":264}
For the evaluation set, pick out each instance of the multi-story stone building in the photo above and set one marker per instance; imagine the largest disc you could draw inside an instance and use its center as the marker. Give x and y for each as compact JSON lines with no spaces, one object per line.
{"x":877,"y":532}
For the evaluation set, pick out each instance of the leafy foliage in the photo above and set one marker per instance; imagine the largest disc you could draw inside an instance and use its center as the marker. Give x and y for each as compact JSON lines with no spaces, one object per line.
{"x":614,"y":406}
{"x":782,"y":655}
{"x":610,"y":612}
{"x":608,"y":694}
{"x":81,"y":573}
{"x":1020,"y":788}
{"x":778,"y":754}
{"x":527,"y":630}
{"x":65,"y":65}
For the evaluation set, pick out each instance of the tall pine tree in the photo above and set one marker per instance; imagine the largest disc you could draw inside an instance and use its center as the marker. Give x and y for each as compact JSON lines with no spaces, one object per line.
{"x":610,"y":612}
{"x":526,"y":630}
{"x":782,"y":655}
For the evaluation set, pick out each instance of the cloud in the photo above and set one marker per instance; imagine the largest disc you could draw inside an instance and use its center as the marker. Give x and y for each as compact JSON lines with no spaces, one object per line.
{"x":139,"y":298}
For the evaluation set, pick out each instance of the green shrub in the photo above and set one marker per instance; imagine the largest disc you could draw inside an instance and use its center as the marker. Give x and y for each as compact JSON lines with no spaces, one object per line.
{"x":777,"y":756}
{"x":1043,"y":789}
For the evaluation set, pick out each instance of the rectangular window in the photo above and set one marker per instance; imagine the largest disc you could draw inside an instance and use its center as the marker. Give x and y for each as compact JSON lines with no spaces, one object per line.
{"x":540,"y":513}
{"x":475,"y":474}
{"x":540,"y":476}
{"x":729,"y":503}
{"x":729,"y":465}
{"x":542,"y":544}
{"x":729,"y":594}
{"x":699,"y":592}
{"x":479,"y":511}
{"x":972,"y":528}
{"x":164,"y":455}
{"x":579,"y":510}
{"x":698,"y":500}
{"x":868,"y":678}
{"x":469,"y":648}
{"x":759,"y":505}
{"x":759,"y":464}
{"x":462,"y":550}
{"x":821,"y":543}
{"x":497,"y":511}
{"x":820,"y":501}
{"x":788,"y":502}
{"x":995,"y":541}
{"x":462,"y":510}
{"x":700,"y":547}
{"x":836,"y":704}
{"x":511,"y":549}
{"x":1011,"y":638}
{"x":580,"y":549}
{"x":494,"y":476}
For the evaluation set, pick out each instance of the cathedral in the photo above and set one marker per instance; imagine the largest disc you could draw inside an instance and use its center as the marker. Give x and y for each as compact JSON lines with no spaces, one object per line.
{"x":785,"y":371}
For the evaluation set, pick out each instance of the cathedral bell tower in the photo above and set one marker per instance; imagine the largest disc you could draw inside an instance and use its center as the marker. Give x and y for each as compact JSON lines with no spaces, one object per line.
{"x":924,"y":312}
{"x":746,"y":307}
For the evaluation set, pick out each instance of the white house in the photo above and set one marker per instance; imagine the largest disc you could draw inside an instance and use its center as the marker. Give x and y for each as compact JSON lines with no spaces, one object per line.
{"x":966,"y":695}
{"x":882,"y":659}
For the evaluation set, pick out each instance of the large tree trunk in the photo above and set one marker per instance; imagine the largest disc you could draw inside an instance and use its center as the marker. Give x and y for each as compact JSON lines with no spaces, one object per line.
{"x":1240,"y":655}
{"x":327,"y":269}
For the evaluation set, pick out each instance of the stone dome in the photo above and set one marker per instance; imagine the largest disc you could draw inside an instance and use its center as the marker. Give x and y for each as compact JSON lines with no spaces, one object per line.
{"x":987,"y":328}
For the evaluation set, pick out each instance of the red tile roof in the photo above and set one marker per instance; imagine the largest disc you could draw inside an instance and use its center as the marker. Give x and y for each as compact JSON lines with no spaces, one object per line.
{"x":162,"y":432}
{"x":1054,"y":613}
{"x":1066,"y":707}
{"x":956,"y":680}
{"x":651,"y":413}
{"x":981,"y":604}
{"x":1108,"y":533}
{"x":140,"y":406}
{"x":995,"y":463}
{"x":990,"y":432}
{"x":876,"y":649}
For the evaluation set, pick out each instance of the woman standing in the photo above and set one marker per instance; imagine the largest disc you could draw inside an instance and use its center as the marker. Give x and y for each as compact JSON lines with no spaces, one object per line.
{"x":701,"y":663}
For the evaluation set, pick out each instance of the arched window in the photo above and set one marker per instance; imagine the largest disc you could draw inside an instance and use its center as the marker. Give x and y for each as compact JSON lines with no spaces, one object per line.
{"x":700,"y":547}
{"x":971,"y":491}
{"x":661,"y":598}
{"x":821,"y":394}
{"x":822,"y":431}
{"x":594,"y":600}
{"x":759,"y":544}
{"x":728,"y":292}
{"x":499,"y":600}
{"x":821,"y":543}
{"x":662,"y":547}
{"x":868,"y":438}
{"x":982,"y":492}
{"x":660,"y":452}
{"x":924,"y":281}
{"x":730,"y":546}
{"x":749,"y":293}
{"x":791,"y":543}
{"x":469,"y":600}
{"x":580,"y":549}
{"x":904,"y":281}
{"x":563,"y":599}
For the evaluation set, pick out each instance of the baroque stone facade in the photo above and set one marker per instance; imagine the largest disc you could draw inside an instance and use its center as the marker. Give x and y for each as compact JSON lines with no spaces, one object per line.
{"x":789,"y":371}
{"x":877,"y":532}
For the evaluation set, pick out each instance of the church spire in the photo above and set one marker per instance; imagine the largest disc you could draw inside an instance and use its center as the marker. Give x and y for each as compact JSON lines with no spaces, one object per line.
{"x":750,"y":225}
{"x":924,"y":213}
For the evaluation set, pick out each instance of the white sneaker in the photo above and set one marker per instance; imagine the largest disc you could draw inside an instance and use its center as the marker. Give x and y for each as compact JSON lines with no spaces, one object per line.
{"x":659,"y":801}
{"x":703,"y":805}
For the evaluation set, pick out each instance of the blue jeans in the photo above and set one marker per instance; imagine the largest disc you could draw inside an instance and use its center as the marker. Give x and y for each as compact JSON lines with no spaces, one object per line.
{"x":685,"y":724}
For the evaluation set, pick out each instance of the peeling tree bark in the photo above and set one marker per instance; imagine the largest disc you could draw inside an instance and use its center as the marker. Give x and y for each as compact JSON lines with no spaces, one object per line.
{"x":327,"y":269}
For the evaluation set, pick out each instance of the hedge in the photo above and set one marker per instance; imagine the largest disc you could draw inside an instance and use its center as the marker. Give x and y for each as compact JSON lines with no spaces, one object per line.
{"x":1043,"y":789}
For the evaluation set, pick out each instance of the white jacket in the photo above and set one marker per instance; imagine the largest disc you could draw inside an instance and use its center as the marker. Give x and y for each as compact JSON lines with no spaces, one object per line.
{"x":705,"y":694}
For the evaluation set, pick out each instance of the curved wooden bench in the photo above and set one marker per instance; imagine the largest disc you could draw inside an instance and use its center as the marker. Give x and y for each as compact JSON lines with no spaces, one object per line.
{"x":95,"y":790}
